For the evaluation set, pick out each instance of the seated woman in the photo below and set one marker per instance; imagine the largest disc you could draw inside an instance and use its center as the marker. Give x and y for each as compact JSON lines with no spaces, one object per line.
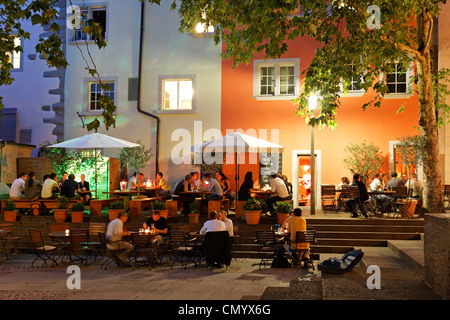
{"x":83,"y":185}
{"x":33,"y":187}
{"x":225,"y":183}
{"x":297,"y":223}
{"x":244,"y":190}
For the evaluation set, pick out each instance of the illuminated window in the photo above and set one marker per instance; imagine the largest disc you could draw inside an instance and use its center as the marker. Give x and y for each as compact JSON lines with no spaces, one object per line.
{"x":15,"y":56}
{"x":397,"y":79}
{"x":95,"y":92}
{"x":276,"y":79}
{"x":177,"y":94}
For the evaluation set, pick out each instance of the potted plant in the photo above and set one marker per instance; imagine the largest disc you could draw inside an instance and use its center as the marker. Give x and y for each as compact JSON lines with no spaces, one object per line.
{"x":283,"y":209}
{"x":195,"y":212}
{"x":10,"y":211}
{"x":161,"y":207}
{"x":252,"y":209}
{"x":60,"y":212}
{"x":114,"y":209}
{"x":77,"y":212}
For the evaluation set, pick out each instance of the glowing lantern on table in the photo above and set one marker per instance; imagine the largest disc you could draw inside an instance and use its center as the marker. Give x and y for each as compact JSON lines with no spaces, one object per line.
{"x":123,"y":184}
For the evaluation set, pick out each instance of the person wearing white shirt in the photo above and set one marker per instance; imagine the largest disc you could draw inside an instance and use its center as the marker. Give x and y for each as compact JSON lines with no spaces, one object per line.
{"x":228,"y":222}
{"x":376,"y":183}
{"x":278,"y":186}
{"x":132,"y":183}
{"x":114,"y":236}
{"x":18,"y":186}
{"x":214,"y":224}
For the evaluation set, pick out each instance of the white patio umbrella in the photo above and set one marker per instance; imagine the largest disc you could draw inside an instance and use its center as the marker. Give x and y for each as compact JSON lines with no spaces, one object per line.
{"x":237,"y":142}
{"x":95,"y":141}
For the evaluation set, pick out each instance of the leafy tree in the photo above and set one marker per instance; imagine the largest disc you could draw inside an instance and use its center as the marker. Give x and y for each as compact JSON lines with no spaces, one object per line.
{"x":411,"y":151}
{"x":136,"y":158}
{"x":365,"y":159}
{"x":349,"y":35}
{"x":45,"y":13}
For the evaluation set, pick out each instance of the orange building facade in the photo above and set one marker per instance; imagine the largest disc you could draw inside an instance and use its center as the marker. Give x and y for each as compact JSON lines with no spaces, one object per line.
{"x":272,"y":117}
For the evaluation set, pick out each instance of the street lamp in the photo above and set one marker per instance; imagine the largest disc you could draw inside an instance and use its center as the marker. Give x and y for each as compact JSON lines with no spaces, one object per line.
{"x":312,"y":104}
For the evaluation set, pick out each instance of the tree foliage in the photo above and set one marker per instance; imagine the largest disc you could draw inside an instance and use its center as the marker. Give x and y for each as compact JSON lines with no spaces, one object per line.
{"x":365,"y":159}
{"x":136,"y":158}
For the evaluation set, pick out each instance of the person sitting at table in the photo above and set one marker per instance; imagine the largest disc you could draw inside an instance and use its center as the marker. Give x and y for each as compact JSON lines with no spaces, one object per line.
{"x":225,"y":184}
{"x":83,"y":185}
{"x":228,"y":222}
{"x":64,"y":178}
{"x":357,"y":202}
{"x":287,"y":183}
{"x":213,"y":224}
{"x":246,"y":186}
{"x":33,"y":187}
{"x":344,"y":182}
{"x":416,"y":186}
{"x":160,"y":226}
{"x":196,"y":181}
{"x":295,"y":223}
{"x":187,"y":199}
{"x":395,"y":182}
{"x":132,"y":183}
{"x":69,"y":188}
{"x":214,"y":187}
{"x":276,"y":185}
{"x":18,"y":187}
{"x":114,"y":236}
{"x":376,"y":183}
{"x":141,"y":182}
{"x":50,"y":187}
{"x":163,"y":188}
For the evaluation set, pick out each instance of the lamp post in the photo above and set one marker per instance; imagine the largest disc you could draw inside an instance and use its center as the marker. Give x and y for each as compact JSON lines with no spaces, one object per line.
{"x":312,"y":106}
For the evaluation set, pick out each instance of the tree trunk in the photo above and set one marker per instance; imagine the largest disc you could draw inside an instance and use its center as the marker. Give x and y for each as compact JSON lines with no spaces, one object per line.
{"x":432,"y":195}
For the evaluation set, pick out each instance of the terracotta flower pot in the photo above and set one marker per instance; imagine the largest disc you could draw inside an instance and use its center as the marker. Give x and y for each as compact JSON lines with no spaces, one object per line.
{"x":77,"y":216}
{"x":252,"y":217}
{"x":194,"y":217}
{"x":282,"y":217}
{"x":10,"y":216}
{"x":60,"y":214}
{"x":113,"y":213}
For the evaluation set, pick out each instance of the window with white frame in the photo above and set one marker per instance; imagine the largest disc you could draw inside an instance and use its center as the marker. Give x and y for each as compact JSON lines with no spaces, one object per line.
{"x":276,"y":79}
{"x":398,"y":80}
{"x":95,"y":92}
{"x":354,"y":82}
{"x":96,"y":13}
{"x":177,"y":94}
{"x":15,"y":56}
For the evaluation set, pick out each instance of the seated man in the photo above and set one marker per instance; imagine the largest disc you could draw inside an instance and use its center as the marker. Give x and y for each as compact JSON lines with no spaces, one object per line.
{"x":213,"y":186}
{"x":213,"y":224}
{"x":163,"y":188}
{"x":158,"y":225}
{"x":228,"y":223}
{"x":186,"y":199}
{"x":132,"y":183}
{"x":18,"y":187}
{"x":278,"y":186}
{"x":69,"y":188}
{"x":357,"y":202}
{"x":49,"y":187}
{"x":114,"y":236}
{"x":395,"y":182}
{"x":295,"y":223}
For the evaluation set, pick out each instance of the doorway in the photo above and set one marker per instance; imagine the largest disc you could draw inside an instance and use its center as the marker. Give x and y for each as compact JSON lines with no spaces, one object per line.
{"x":301,"y":177}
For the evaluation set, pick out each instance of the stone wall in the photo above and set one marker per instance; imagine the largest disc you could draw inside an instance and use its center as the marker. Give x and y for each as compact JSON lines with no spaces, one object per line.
{"x":437,"y":253}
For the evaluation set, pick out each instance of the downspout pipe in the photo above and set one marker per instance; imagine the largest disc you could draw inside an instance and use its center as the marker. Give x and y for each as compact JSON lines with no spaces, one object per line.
{"x":139,"y":109}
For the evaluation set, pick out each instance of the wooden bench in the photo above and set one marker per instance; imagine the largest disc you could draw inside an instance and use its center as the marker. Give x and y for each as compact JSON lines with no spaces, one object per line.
{"x":173,"y":205}
{"x":27,"y":203}
{"x":139,"y":204}
{"x":218,"y":205}
{"x":96,"y":205}
{"x":239,"y":209}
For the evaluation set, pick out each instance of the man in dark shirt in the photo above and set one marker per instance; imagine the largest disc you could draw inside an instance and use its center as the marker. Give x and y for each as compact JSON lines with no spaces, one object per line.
{"x":160,"y":226}
{"x":363,"y":196}
{"x":69,"y":187}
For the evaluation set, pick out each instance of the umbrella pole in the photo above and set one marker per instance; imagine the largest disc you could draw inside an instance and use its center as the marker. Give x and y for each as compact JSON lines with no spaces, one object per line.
{"x":95,"y":169}
{"x":236,"y":176}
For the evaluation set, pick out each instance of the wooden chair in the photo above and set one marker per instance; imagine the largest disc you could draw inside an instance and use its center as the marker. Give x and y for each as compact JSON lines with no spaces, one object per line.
{"x":182,"y":248}
{"x":302,"y":237}
{"x":268,"y":245}
{"x":112,"y":255}
{"x":10,"y":238}
{"x":144,"y":247}
{"x":328,"y":197}
{"x":59,"y":226}
{"x":402,"y":201}
{"x":78,"y":248}
{"x":94,"y":243}
{"x":40,"y":249}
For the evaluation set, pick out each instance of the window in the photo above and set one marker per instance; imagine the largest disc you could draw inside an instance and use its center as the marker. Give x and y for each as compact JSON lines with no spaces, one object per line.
{"x":15,"y":56}
{"x":398,"y":81}
{"x":276,"y":79}
{"x":95,"y":92}
{"x":177,"y":94}
{"x":99,"y":15}
{"x":354,"y":84}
